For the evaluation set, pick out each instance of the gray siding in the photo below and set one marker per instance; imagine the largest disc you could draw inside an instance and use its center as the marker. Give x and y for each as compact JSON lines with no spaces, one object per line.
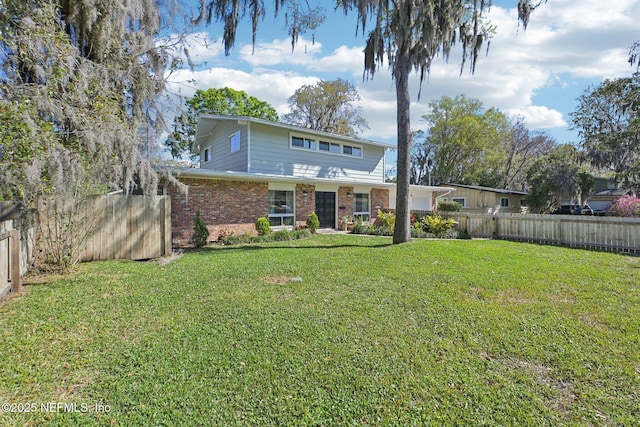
{"x":270,"y":154}
{"x":221,"y":157}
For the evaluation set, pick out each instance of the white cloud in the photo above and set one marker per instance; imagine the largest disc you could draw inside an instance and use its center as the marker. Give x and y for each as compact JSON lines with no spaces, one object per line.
{"x":540,"y":117}
{"x":566,"y":40}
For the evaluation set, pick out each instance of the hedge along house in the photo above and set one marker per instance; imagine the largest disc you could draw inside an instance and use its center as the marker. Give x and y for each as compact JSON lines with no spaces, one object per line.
{"x":251,"y":168}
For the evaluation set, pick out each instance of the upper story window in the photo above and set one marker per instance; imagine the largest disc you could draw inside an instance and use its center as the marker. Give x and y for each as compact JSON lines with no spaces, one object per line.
{"x":234,"y":142}
{"x":206,"y":155}
{"x":304,"y":143}
{"x":300,"y":142}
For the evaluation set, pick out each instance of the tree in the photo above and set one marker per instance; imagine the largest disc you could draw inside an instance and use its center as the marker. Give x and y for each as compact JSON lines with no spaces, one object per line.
{"x":421,"y":159}
{"x":225,"y":101}
{"x":411,"y":34}
{"x":608,"y":121}
{"x":466,"y":141}
{"x":327,"y":106}
{"x":557,"y":177}
{"x":522,"y":150}
{"x":77,"y":78}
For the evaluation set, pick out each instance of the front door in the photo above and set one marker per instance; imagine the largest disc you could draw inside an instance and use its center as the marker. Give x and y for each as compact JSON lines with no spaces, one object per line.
{"x":326,"y":208}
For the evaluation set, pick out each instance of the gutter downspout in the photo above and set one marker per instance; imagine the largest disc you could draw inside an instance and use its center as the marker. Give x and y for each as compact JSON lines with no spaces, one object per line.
{"x":442,"y":195}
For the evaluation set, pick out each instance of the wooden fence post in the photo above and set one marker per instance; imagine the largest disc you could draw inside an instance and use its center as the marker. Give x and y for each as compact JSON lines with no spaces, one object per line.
{"x":14,"y":238}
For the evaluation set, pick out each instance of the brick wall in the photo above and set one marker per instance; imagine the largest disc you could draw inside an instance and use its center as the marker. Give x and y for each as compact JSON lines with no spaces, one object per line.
{"x":346,"y":201}
{"x":379,"y":197}
{"x":305,"y":204}
{"x":223,"y":205}
{"x":233,"y":206}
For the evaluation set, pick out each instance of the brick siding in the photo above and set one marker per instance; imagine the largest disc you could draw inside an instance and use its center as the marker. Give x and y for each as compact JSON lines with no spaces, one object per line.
{"x":233,"y":207}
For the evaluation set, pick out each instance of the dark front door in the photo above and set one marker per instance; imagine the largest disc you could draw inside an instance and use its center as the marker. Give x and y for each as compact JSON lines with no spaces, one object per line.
{"x":326,"y":208}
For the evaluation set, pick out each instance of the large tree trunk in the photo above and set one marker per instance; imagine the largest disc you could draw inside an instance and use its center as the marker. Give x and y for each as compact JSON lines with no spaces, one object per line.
{"x":402,"y":232}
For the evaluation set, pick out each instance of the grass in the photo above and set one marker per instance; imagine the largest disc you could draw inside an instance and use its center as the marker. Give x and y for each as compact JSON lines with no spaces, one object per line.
{"x":333,"y":330}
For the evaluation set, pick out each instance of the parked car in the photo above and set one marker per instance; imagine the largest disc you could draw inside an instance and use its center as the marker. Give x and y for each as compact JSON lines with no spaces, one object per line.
{"x":574,"y":210}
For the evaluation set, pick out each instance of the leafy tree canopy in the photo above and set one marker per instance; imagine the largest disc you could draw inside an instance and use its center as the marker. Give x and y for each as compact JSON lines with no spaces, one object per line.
{"x":82,"y":76}
{"x":327,"y":106}
{"x":608,"y":121}
{"x":557,"y":178}
{"x":224,"y":101}
{"x":466,"y":141}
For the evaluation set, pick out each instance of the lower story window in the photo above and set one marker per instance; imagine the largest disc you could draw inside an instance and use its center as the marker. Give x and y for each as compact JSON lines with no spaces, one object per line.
{"x":460,"y":200}
{"x":361,"y":209}
{"x":504,"y":202}
{"x":281,"y":210}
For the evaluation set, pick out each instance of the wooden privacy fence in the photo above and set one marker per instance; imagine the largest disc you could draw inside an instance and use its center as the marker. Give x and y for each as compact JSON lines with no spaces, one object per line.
{"x":9,"y":261}
{"x":590,"y":232}
{"x":9,"y":249}
{"x":127,"y":227}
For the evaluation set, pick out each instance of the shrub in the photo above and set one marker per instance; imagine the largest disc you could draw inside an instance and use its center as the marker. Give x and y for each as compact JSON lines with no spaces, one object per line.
{"x":200,"y":232}
{"x":359,"y":227}
{"x":262,"y":226}
{"x":313,"y":222}
{"x":628,"y":206}
{"x":386,"y":220}
{"x":280,"y":236}
{"x":437,"y":225}
{"x":224,"y":233}
{"x":449,"y":206}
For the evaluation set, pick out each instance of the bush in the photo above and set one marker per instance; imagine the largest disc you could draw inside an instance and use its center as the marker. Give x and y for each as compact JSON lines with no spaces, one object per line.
{"x":262,"y":226}
{"x":437,"y":225}
{"x":359,"y":227}
{"x":200,"y":232}
{"x":278,"y":236}
{"x":313,"y":222}
{"x":224,"y":233}
{"x":386,"y":220}
{"x":449,"y":206}
{"x":628,"y":206}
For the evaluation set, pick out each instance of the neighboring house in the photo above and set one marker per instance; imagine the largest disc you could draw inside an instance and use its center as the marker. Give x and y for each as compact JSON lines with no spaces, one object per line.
{"x":601,"y":200}
{"x":475,"y":198}
{"x":253,"y":167}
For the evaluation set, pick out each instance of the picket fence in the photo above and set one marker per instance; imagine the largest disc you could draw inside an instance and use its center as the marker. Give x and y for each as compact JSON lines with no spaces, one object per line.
{"x":591,"y":232}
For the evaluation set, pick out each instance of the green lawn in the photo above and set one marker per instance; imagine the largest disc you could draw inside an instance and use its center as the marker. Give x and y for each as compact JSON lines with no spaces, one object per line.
{"x":434,"y":332}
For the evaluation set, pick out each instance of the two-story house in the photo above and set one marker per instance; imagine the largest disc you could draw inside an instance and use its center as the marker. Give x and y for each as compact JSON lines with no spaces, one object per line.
{"x":252,"y":167}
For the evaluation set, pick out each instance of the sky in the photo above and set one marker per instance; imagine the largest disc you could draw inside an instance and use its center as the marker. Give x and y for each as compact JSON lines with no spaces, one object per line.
{"x":568,"y":47}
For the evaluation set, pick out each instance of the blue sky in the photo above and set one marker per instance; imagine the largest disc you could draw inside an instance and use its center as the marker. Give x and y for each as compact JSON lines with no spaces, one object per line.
{"x":537,"y":74}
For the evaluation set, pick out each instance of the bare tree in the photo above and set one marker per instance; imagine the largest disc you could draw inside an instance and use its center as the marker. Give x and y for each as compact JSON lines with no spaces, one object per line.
{"x":327,"y":106}
{"x":523,"y":149}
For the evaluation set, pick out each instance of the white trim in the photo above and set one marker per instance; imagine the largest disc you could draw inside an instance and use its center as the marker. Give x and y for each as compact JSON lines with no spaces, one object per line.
{"x":249,"y":147}
{"x":231,"y":150}
{"x":282,"y":186}
{"x":283,"y":216}
{"x":330,"y":184}
{"x":327,"y":187}
{"x":206,"y":159}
